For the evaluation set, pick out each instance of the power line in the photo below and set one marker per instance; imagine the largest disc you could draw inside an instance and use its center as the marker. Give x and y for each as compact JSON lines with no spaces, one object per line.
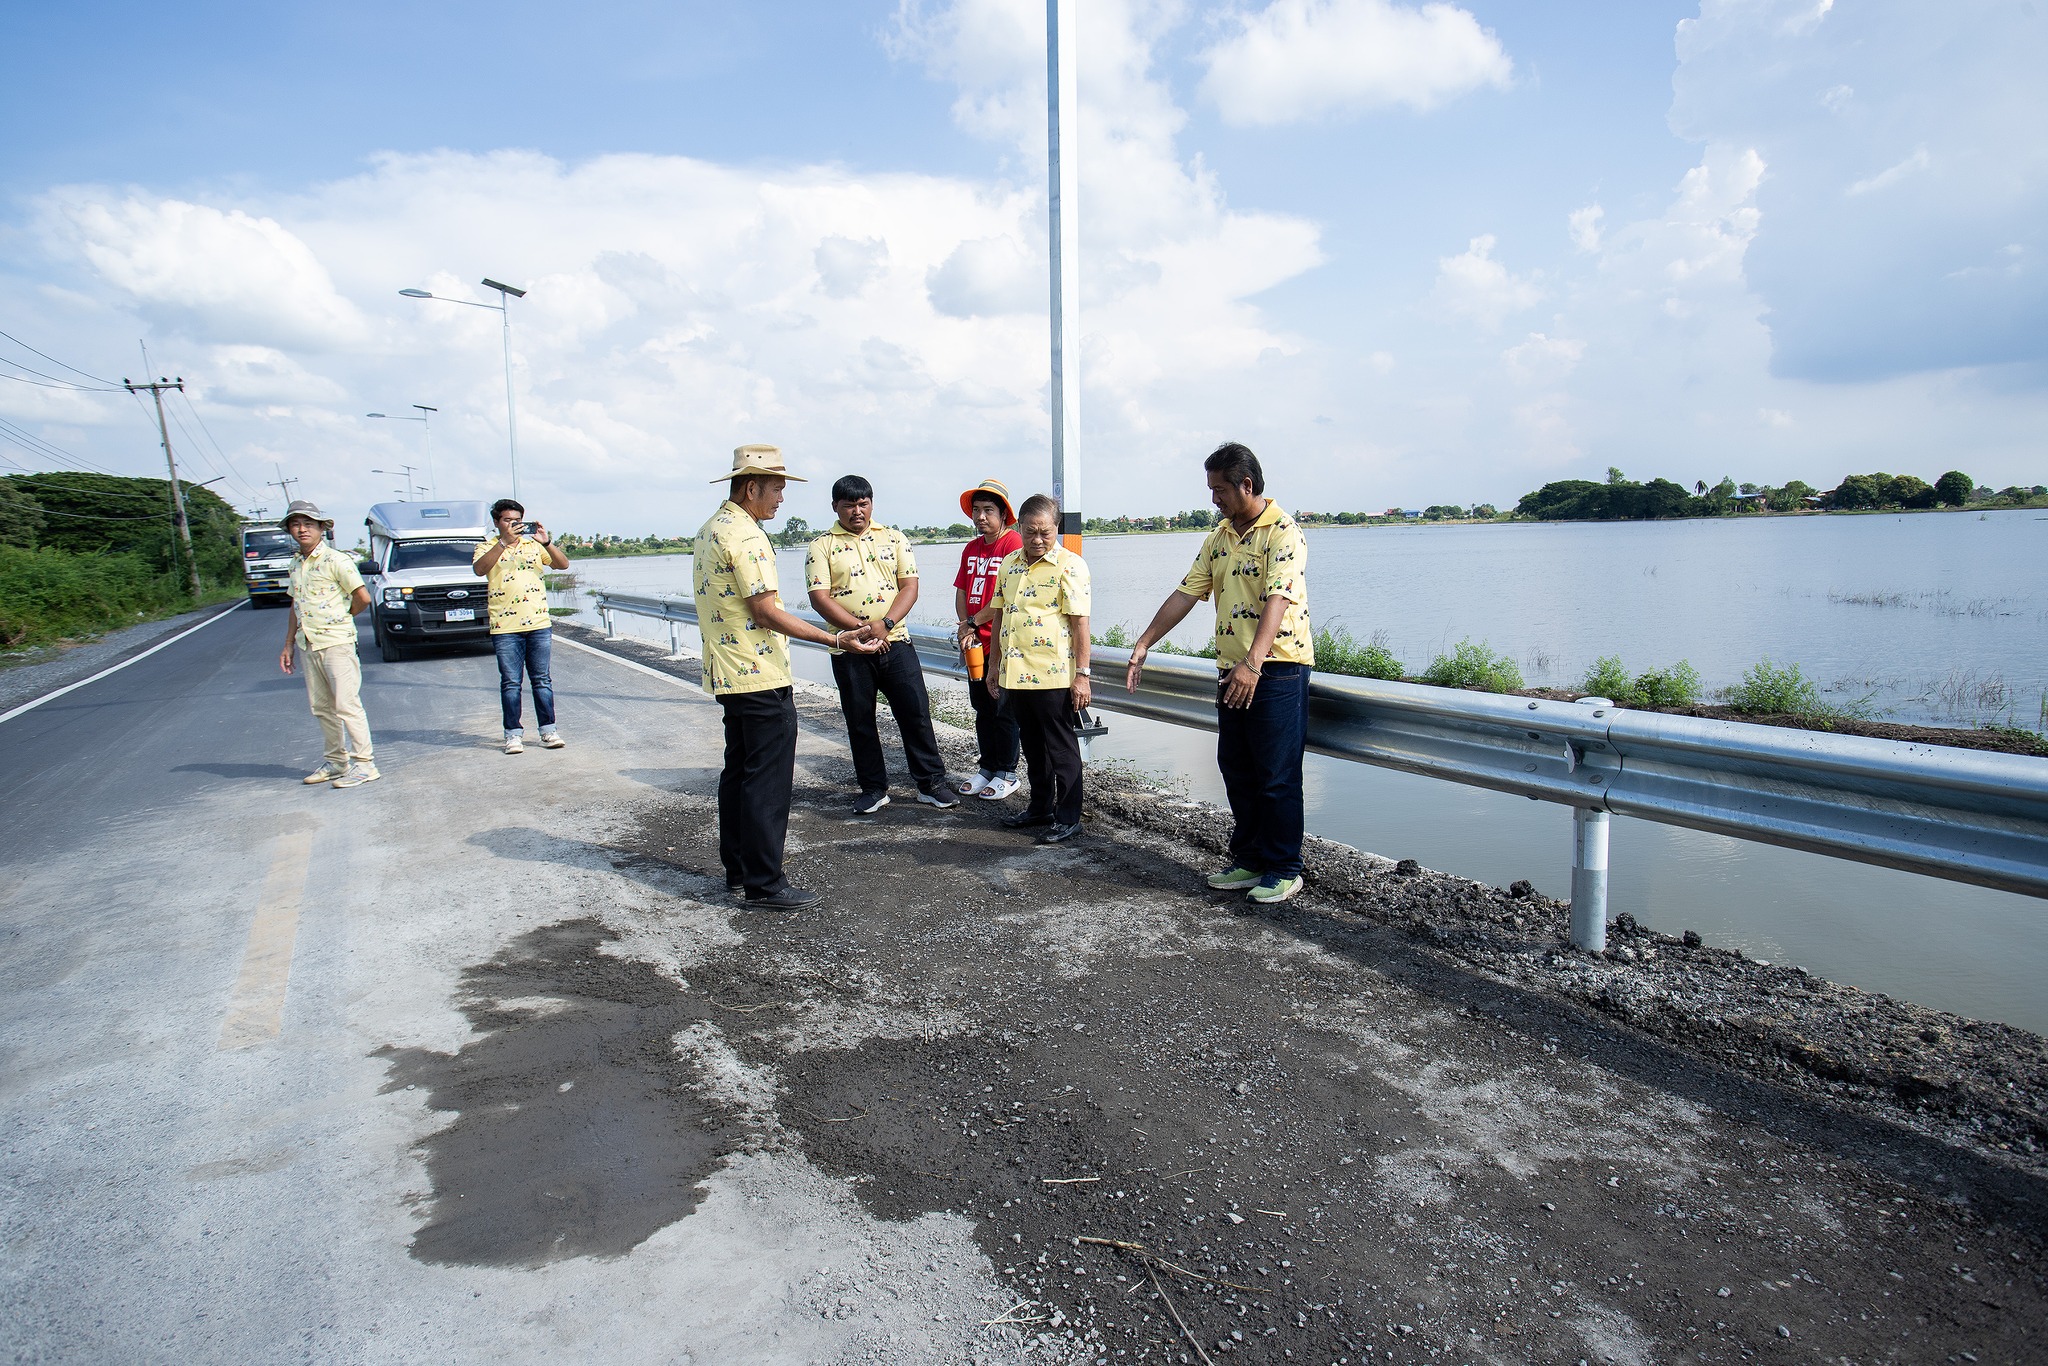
{"x":91,"y":517}
{"x":30,"y":481}
{"x":191,"y":407}
{"x":97,"y":379}
{"x":64,"y":385}
{"x":35,"y":445}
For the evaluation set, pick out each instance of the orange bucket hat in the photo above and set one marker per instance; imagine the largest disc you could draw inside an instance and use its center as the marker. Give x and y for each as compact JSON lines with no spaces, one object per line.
{"x":992,"y":488}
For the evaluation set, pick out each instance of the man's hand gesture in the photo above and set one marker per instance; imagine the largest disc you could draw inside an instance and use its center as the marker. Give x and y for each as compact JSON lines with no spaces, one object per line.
{"x":284,"y":659}
{"x":1136,"y":670}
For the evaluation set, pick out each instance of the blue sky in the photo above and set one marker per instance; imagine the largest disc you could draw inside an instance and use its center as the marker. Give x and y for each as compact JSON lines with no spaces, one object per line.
{"x":1411,"y":254}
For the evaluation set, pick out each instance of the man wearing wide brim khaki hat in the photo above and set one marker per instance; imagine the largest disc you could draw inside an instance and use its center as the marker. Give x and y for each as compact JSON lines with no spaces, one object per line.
{"x":327,"y":593}
{"x":762,"y":460}
{"x":746,"y":631}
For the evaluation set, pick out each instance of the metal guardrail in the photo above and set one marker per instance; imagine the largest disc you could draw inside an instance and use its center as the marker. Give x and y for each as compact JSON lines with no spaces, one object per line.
{"x":1964,"y":815}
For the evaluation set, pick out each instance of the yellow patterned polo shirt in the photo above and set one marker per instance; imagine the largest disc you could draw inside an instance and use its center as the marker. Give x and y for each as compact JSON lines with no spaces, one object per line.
{"x":322,"y":586}
{"x":863,"y":572}
{"x":732,"y":562}
{"x":1034,"y":601}
{"x":1242,"y":572}
{"x":519,"y":595}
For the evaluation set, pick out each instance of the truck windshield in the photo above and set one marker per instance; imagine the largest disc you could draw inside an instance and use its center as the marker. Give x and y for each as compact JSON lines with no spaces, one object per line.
{"x":264,"y":545}
{"x":432,"y":554}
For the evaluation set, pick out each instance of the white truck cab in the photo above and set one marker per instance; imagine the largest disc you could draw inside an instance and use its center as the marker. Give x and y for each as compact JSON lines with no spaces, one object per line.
{"x":422,"y":590}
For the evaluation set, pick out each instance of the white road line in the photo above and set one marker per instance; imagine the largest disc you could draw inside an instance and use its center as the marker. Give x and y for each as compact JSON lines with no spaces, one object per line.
{"x":256,"y":1013}
{"x":116,"y":668}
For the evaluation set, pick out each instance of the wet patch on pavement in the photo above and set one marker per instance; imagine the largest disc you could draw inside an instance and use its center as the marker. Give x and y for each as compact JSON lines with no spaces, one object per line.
{"x":576,"y":1129}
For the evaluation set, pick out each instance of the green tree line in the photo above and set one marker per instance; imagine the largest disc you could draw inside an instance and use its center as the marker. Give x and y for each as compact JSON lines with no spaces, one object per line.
{"x":82,"y":553}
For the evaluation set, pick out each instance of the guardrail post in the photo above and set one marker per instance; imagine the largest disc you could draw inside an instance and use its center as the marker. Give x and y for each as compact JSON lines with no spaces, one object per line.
{"x":1589,"y":869}
{"x":675,"y":642}
{"x":604,"y":614}
{"x":1589,"y":879}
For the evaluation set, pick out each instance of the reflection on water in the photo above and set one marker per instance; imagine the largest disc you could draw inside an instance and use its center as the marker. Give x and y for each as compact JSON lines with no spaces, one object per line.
{"x":1937,"y":617}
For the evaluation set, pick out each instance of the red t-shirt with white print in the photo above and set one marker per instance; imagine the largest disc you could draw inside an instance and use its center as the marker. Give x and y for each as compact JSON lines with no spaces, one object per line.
{"x":977,"y":578}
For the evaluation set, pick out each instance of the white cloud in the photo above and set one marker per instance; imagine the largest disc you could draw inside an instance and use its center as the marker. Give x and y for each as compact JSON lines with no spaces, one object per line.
{"x":1893,"y":174}
{"x":987,"y":277}
{"x":1306,"y":59}
{"x":847,"y":267}
{"x":188,"y":262}
{"x":1543,"y":360}
{"x":1473,"y":284}
{"x":1585,"y":227}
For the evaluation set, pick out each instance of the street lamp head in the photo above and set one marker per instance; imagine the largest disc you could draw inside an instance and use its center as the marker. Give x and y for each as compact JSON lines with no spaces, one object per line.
{"x":505,"y":289}
{"x":416,"y":293}
{"x":373,"y":414}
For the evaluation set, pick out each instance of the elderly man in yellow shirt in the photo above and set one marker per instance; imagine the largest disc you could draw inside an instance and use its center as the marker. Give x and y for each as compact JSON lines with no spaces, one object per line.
{"x":1042,"y":602}
{"x":863,"y":577}
{"x":746,"y":633}
{"x":327,"y":592}
{"x":1255,"y":564}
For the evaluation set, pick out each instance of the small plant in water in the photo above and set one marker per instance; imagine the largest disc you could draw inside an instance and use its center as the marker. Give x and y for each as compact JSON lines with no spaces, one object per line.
{"x":1676,"y":686}
{"x":1473,"y":664}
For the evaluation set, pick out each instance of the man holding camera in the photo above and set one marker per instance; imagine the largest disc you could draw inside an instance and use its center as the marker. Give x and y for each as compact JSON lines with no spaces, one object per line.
{"x":522,"y":633}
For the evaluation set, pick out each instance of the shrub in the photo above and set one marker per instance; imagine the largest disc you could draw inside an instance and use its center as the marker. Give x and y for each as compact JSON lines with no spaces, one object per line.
{"x":1117,"y":637}
{"x":1677,"y":686}
{"x":1769,"y":688}
{"x":1338,"y":653}
{"x":47,"y":595}
{"x":1473,"y":665}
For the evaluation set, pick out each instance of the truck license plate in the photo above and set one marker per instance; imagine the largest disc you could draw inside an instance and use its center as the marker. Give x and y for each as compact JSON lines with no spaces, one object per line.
{"x":460,"y":614}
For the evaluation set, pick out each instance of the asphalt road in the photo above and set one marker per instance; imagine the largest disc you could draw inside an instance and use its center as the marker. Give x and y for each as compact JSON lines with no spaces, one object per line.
{"x":477,"y":1064}
{"x":205,"y":965}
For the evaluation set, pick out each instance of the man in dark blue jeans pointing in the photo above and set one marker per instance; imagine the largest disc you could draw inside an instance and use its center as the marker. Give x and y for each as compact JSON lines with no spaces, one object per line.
{"x":1255,"y":564}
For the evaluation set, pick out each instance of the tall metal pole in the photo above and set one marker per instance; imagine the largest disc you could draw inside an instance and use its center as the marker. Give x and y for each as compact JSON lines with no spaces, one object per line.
{"x":511,"y":416}
{"x":1063,"y":236}
{"x":432,"y":483}
{"x":156,"y":391}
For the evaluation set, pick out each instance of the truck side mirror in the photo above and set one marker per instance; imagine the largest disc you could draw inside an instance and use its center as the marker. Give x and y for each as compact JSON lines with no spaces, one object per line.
{"x":366,"y":567}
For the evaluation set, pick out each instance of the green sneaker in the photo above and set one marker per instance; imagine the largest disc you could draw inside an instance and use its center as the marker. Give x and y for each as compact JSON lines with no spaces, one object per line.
{"x":1233,"y":879}
{"x":1272,"y":888}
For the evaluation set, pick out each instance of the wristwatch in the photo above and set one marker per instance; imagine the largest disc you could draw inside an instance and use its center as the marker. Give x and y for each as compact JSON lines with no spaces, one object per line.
{"x":888,"y":623}
{"x":1084,"y":673}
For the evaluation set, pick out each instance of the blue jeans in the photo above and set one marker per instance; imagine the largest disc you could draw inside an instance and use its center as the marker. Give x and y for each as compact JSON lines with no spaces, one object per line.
{"x":526,"y":651}
{"x":1259,"y":750}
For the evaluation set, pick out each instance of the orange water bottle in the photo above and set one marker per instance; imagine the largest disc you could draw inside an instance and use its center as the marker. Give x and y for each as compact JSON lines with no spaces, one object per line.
{"x":976,"y":660}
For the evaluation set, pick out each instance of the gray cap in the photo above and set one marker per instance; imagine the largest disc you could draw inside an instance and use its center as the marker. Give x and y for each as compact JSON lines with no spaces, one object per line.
{"x":305,"y":507}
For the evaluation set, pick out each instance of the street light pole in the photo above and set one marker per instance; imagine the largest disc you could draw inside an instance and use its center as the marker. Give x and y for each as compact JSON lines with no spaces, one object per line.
{"x":404,"y":472}
{"x":506,"y":294}
{"x":427,"y":430}
{"x":1063,"y":235}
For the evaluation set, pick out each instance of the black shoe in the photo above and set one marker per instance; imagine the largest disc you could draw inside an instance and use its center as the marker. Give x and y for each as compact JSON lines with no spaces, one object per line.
{"x":868,"y":803}
{"x":790,"y":898}
{"x":938,"y":796}
{"x":1059,"y":834}
{"x":1026,"y":820}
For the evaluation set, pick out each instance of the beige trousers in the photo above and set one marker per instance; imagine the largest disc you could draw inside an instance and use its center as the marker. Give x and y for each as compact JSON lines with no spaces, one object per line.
{"x":334,"y":685}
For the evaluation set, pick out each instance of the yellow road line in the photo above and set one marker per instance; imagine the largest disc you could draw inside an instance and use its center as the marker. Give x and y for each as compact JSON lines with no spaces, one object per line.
{"x":256,"y":1013}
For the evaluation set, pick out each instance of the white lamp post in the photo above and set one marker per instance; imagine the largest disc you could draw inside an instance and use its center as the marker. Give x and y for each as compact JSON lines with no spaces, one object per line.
{"x":427,"y":429}
{"x":506,"y":294}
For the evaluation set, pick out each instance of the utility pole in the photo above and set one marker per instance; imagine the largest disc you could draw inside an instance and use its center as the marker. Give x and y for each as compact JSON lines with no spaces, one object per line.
{"x":282,"y":484}
{"x":1062,"y":97}
{"x":156,"y":391}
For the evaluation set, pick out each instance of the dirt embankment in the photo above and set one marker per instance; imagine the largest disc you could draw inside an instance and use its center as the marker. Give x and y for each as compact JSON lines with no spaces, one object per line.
{"x":1396,"y":1119}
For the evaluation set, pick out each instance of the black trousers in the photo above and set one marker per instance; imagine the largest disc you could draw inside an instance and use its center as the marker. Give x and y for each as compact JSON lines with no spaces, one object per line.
{"x":753,"y":789}
{"x":995,"y":732}
{"x":896,"y":675}
{"x":1052,"y":751}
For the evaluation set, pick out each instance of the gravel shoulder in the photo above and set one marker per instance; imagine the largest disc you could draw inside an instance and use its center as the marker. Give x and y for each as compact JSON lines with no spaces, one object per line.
{"x":1396,"y":1119}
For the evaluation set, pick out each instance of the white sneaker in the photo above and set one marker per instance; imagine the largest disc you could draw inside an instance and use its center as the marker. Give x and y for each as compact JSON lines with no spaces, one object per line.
{"x":999,"y":787}
{"x":975,"y":786}
{"x":513,"y":746}
{"x":357,"y":775}
{"x":326,"y":773}
{"x":550,"y":740}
